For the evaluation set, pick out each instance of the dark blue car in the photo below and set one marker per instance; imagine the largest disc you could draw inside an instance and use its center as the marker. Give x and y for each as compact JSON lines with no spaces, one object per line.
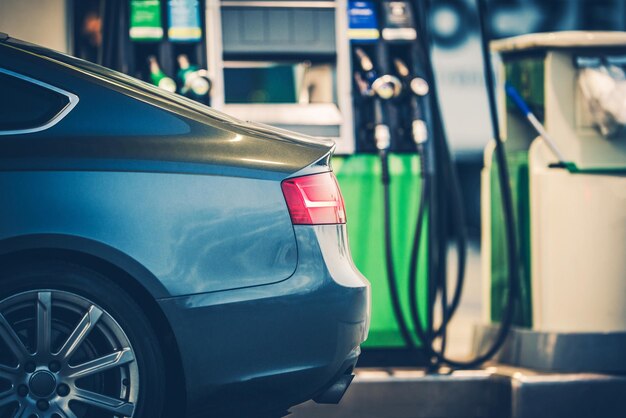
{"x":160,"y":259}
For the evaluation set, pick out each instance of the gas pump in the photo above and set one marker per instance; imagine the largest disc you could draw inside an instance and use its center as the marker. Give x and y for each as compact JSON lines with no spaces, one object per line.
{"x":562,"y":97}
{"x":418,"y":110}
{"x":382,"y":181}
{"x":403,"y":160}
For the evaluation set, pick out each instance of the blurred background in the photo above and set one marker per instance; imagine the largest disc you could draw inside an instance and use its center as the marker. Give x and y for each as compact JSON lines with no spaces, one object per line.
{"x":97,"y":30}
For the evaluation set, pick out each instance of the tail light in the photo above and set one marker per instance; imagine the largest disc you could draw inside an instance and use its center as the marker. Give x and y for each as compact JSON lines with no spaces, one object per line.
{"x":314,"y":200}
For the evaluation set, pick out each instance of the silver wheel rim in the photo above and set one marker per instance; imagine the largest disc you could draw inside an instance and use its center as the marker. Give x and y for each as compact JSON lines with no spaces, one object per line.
{"x":62,"y":356}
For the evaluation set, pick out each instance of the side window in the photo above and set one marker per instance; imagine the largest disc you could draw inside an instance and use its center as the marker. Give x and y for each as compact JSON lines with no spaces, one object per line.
{"x":26,"y":105}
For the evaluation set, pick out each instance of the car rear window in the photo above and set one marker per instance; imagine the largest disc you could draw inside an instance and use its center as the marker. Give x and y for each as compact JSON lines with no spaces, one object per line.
{"x":122,"y":79}
{"x":153,"y":93}
{"x":25,"y":105}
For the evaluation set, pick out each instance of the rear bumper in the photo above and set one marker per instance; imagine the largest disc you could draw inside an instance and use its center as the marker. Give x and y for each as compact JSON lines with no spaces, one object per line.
{"x":274,"y":346}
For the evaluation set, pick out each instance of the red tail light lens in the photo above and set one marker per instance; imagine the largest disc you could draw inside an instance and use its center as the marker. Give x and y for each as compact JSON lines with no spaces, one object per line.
{"x":314,"y":200}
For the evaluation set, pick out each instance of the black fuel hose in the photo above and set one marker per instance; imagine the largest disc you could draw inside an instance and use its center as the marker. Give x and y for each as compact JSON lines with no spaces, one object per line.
{"x":435,"y":187}
{"x":441,"y":187}
{"x":389,"y":258}
{"x":420,"y":111}
{"x":417,"y":239}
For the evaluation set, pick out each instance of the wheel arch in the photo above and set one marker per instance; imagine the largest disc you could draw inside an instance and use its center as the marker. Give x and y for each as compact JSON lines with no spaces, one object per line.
{"x":126,"y":272}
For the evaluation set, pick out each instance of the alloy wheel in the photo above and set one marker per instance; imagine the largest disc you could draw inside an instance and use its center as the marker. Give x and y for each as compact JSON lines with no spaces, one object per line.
{"x":63,"y":356}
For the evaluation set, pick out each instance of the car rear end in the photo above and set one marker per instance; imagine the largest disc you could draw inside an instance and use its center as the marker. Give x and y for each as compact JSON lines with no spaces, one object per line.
{"x":288,"y":339}
{"x":281,"y":344}
{"x":318,"y":214}
{"x":242,"y":225}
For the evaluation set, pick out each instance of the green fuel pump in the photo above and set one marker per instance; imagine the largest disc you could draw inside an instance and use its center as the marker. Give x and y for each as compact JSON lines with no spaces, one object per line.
{"x":378,"y":183}
{"x":381,"y":90}
{"x":397,"y":117}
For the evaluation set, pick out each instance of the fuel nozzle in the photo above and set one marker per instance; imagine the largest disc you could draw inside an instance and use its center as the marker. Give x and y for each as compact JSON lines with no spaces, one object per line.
{"x":401,"y":68}
{"x":419,"y":131}
{"x":418,"y":85}
{"x":365,"y":62}
{"x":380,"y":88}
{"x":158,"y":77}
{"x":419,"y":88}
{"x":382,"y":136}
{"x":195,"y":81}
{"x":386,"y":86}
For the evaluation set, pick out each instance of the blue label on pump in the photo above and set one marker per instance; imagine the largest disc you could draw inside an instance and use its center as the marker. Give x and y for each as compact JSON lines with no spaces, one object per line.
{"x":184,"y":18}
{"x":362,"y":21}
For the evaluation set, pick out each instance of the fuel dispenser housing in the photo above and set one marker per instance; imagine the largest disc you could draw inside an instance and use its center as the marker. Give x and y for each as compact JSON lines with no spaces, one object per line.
{"x":293,"y":57}
{"x":571,"y":212}
{"x":385,"y":32}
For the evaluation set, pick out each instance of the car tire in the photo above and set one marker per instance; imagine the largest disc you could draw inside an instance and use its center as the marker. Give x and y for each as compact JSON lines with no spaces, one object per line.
{"x":80,"y":318}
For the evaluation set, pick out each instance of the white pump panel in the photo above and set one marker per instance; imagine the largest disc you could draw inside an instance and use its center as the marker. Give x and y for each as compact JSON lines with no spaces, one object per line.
{"x":578,"y":236}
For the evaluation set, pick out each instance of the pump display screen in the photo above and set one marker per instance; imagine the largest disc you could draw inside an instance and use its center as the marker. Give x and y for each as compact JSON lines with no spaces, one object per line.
{"x":275,"y":82}
{"x":527,"y":76}
{"x":272,"y":84}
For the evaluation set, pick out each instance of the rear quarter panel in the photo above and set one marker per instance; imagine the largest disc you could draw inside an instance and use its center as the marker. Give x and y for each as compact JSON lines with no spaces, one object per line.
{"x":195,"y":233}
{"x":191,"y":195}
